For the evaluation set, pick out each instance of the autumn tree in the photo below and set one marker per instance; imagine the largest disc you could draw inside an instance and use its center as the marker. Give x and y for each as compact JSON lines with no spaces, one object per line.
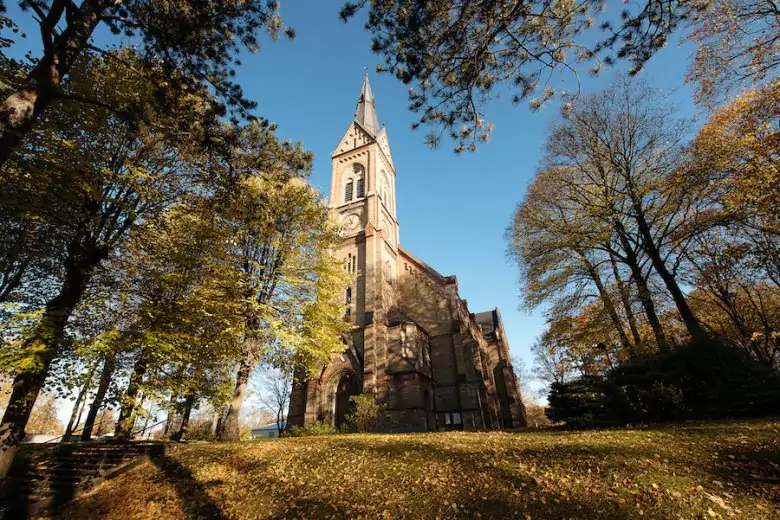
{"x":94,"y":192}
{"x":738,"y":149}
{"x":284,"y":238}
{"x":199,"y":40}
{"x":737,"y":45}
{"x":628,"y":143}
{"x":187,"y":303}
{"x":458,"y":54}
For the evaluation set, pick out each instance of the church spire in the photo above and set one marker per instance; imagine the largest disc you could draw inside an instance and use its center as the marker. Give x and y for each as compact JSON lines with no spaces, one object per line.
{"x":365,"y":114}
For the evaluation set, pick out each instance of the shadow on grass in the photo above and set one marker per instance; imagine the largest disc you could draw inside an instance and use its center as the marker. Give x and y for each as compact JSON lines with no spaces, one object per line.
{"x":193,"y":494}
{"x":510,"y":494}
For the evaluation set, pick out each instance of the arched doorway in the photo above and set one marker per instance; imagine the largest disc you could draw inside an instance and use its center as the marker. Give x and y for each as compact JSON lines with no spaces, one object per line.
{"x":346,"y":388}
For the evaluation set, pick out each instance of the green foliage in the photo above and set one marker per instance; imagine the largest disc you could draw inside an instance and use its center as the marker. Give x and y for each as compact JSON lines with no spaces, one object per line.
{"x":366,"y":414}
{"x":310,"y":430}
{"x":698,"y":380}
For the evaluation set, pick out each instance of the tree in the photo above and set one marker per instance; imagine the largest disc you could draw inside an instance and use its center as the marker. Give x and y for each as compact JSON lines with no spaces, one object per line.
{"x":188,"y":316}
{"x":559,"y":247}
{"x":94,"y":194}
{"x":43,"y":418}
{"x":737,"y":44}
{"x":285,"y":238}
{"x":458,"y":53}
{"x":275,"y":395}
{"x":737,"y":150}
{"x":199,"y":38}
{"x":627,"y":144}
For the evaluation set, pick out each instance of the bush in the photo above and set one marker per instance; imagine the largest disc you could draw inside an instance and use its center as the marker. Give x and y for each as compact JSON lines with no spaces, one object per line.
{"x":707,"y":380}
{"x":366,"y":414}
{"x":310,"y":430}
{"x":699,"y":380}
{"x":586,"y":402}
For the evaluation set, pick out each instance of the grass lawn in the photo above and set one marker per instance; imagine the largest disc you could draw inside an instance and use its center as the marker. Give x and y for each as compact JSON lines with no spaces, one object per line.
{"x":709,"y":470}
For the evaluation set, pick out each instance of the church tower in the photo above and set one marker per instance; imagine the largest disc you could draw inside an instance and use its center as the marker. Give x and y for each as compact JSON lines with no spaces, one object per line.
{"x":413,"y":345}
{"x":363,"y":193}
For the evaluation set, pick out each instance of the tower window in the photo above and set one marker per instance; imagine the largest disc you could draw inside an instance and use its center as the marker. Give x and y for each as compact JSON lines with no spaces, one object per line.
{"x":361,"y":188}
{"x":349,"y":295}
{"x":348,"y":191}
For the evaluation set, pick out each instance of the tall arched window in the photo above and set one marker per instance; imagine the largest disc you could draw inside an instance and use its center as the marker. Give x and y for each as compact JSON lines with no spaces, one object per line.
{"x":384,"y":190}
{"x":361,"y":183}
{"x":348,"y":191}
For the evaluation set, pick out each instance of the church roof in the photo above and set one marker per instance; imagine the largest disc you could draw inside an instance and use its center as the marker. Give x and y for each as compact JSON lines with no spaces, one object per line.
{"x":488,"y":321}
{"x":365,"y":115}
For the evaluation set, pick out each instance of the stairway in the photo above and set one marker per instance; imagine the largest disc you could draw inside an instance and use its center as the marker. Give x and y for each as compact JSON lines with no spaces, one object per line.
{"x":44,"y":477}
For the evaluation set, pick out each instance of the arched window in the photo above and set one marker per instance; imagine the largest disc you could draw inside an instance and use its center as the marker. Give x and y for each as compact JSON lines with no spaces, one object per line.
{"x":385,"y":193}
{"x":348,"y":191}
{"x":361,"y":183}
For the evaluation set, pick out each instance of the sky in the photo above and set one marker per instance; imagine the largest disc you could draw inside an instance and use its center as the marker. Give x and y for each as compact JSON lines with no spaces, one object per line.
{"x":453,"y":210}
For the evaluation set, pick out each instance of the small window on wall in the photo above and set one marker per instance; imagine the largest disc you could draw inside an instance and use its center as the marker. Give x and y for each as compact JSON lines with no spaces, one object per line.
{"x":361,"y":188}
{"x":348,"y":192}
{"x":451,"y":420}
{"x":349,"y":295}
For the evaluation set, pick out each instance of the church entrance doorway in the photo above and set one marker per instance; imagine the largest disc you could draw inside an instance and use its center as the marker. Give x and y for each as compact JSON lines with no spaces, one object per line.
{"x":346,"y":388}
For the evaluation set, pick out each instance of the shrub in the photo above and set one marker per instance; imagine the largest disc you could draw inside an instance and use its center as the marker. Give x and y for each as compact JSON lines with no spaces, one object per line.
{"x":366,"y":414}
{"x":704,"y":380}
{"x":310,"y":430}
{"x":587,"y":401}
{"x":699,"y":380}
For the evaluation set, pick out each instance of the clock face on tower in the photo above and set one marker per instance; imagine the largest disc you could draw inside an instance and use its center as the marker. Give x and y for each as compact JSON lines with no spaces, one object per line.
{"x":350,"y":223}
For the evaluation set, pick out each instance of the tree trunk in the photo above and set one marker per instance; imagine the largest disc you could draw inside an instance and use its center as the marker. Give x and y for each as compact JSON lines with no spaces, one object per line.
{"x":171,"y":415}
{"x":189,"y":402}
{"x":625,"y":298}
{"x":643,"y":290}
{"x":78,"y":407}
{"x":686,"y":313}
{"x":97,"y":402}
{"x":20,"y":110}
{"x":230,"y":432}
{"x":606,"y":299}
{"x":44,"y":344}
{"x":214,"y":424}
{"x":124,"y":425}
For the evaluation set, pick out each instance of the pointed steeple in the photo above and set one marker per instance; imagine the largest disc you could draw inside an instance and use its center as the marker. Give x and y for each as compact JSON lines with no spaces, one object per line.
{"x":365,"y":115}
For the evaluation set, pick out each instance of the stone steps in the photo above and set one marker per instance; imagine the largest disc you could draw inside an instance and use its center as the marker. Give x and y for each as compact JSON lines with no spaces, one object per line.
{"x":44,"y":477}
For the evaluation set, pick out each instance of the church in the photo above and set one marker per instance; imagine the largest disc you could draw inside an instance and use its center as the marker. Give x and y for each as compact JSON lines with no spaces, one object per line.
{"x":414,"y":344}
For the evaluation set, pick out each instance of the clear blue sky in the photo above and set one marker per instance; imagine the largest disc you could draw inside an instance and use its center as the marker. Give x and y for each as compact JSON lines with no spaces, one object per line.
{"x":452,"y":209}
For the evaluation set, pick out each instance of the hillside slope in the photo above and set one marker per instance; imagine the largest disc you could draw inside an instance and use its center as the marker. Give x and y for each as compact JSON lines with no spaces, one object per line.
{"x":713,"y":470}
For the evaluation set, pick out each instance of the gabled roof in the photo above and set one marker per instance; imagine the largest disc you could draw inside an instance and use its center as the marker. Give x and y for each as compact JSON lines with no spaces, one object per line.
{"x":365,"y":114}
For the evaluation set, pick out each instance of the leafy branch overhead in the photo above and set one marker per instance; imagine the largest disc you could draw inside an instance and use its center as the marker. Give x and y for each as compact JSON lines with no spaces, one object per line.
{"x":458,"y":54}
{"x":197,"y":42}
